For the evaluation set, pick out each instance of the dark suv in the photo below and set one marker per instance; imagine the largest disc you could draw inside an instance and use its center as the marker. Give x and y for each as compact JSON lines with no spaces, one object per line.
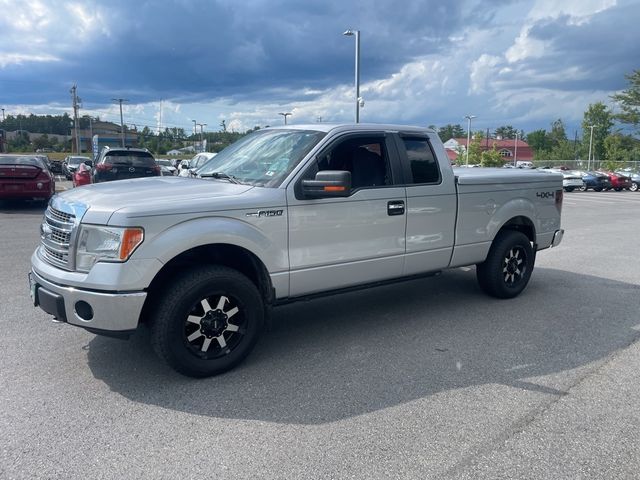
{"x":122,"y":163}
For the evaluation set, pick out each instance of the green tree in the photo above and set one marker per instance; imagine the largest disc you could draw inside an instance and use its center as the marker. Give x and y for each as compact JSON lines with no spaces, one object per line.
{"x":629,"y":102}
{"x":491,"y":158}
{"x":506,"y":132}
{"x":564,"y":150}
{"x":557,"y":135}
{"x":601,"y":117}
{"x":539,"y":141}
{"x":451,"y":131}
{"x":619,"y":149}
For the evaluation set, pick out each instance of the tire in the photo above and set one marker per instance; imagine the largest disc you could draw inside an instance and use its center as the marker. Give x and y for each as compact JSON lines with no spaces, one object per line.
{"x":568,"y":189}
{"x":598,"y":189}
{"x":634,"y":186}
{"x":215,"y":295}
{"x":618,"y":189}
{"x":506,"y":271}
{"x":583,"y":188}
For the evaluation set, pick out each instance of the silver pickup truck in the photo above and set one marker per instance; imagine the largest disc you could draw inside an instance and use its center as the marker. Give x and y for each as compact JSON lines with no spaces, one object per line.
{"x":283,"y":214}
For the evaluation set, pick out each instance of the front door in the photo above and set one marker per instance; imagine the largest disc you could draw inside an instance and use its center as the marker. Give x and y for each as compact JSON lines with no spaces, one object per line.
{"x":341,"y":242}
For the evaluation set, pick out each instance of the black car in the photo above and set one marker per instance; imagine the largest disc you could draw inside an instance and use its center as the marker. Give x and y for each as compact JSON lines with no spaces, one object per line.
{"x":71,"y":164}
{"x":122,"y":163}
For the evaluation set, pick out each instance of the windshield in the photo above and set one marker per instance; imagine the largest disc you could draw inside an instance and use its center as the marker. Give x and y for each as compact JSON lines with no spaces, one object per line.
{"x":263,"y":158}
{"x":165,"y":163}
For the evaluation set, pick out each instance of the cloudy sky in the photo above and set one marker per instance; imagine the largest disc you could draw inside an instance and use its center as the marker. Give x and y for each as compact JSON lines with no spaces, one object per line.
{"x":523,"y":63}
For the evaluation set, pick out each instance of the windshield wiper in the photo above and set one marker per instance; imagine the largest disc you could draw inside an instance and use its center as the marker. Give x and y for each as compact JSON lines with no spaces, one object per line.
{"x":222,"y":175}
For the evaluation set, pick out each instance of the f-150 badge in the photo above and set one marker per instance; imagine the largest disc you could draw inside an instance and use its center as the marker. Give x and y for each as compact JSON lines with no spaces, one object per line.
{"x":265,"y":213}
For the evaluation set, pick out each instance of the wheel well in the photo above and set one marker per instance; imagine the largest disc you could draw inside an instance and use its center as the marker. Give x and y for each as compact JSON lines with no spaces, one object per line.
{"x":231,"y":256}
{"x":522,"y":224}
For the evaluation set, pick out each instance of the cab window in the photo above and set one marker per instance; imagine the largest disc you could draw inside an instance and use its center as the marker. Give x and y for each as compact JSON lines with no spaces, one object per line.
{"x":422,"y":162}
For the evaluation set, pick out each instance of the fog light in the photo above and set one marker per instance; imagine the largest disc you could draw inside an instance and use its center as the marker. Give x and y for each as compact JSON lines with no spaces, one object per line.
{"x":84,"y":310}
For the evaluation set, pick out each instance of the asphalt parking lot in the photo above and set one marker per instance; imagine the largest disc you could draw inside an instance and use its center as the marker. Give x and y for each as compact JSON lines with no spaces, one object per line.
{"x":423,"y":379}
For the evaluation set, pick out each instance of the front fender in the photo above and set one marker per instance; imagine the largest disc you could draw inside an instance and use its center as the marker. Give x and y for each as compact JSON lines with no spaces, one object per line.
{"x":268,"y":245}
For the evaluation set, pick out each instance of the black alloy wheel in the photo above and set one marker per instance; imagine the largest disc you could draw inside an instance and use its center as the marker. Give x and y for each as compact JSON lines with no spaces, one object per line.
{"x":507,"y":270}
{"x":207,"y":321}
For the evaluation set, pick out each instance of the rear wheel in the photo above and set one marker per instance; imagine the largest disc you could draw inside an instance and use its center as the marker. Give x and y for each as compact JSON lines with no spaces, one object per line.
{"x":507,"y":269}
{"x":208,"y":321}
{"x":634,"y":186}
{"x":618,"y":189}
{"x":568,"y":189}
{"x":583,"y":188}
{"x":598,"y":189}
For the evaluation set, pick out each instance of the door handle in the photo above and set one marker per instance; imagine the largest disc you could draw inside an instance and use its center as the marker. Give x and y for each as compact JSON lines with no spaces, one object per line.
{"x":395,"y":207}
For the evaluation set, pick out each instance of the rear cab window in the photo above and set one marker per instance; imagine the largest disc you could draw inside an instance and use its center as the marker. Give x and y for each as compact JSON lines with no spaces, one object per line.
{"x":422,"y":163}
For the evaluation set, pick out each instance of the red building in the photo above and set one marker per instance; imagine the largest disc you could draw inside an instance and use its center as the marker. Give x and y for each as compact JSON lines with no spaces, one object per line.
{"x":506,"y":148}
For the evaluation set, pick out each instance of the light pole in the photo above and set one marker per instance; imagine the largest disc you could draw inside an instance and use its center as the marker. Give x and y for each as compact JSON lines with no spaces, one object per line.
{"x":515,"y":153}
{"x":590,"y":144}
{"x":120,"y":100}
{"x":285,"y":115}
{"x":201,"y":125}
{"x":469,"y":118}
{"x":356,"y":33}
{"x":3,"y":114}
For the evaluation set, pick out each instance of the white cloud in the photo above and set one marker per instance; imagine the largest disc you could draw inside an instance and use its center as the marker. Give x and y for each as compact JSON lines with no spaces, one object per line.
{"x":21,"y":58}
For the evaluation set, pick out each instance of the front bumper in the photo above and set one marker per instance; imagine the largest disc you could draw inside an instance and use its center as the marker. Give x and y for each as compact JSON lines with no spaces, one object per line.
{"x":108,"y":312}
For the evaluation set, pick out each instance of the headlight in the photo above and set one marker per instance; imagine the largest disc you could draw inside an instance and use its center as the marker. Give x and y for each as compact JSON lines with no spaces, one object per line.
{"x":112,"y":244}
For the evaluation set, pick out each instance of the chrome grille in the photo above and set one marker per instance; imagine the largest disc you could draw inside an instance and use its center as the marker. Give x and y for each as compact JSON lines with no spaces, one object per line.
{"x":55,"y":233}
{"x":60,"y":216}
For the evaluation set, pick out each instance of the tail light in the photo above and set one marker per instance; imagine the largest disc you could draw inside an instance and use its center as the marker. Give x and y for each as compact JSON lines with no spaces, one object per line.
{"x":103,"y":167}
{"x":559,"y":197}
{"x":44,"y":175}
{"x":157,"y":169}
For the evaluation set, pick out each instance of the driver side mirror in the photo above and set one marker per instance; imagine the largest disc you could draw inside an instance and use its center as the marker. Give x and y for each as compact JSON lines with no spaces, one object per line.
{"x":327,"y":184}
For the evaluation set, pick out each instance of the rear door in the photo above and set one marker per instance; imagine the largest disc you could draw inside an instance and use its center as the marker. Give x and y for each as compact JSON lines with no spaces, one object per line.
{"x":340,"y":242}
{"x":431,"y":204}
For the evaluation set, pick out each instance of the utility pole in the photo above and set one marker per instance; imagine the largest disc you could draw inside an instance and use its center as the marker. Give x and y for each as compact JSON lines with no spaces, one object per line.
{"x":3,"y":114}
{"x":120,"y":100}
{"x":74,"y":97}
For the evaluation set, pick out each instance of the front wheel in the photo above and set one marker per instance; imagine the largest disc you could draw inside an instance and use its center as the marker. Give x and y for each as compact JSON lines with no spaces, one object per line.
{"x":598,"y":189}
{"x":507,"y":269}
{"x":618,"y":189}
{"x":207,"y":321}
{"x":634,"y":186}
{"x":568,"y":189}
{"x":583,"y":188}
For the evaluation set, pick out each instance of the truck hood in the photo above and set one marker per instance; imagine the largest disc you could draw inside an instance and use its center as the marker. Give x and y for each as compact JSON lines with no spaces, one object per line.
{"x":146,"y":195}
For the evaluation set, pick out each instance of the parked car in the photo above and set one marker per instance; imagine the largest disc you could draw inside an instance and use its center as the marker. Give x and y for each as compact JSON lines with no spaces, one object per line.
{"x":570,"y":180}
{"x":166,"y":167}
{"x":595,"y":180}
{"x":53,"y":166}
{"x":634,"y":176}
{"x":25,"y":177}
{"x":71,"y":164}
{"x":82,"y":175}
{"x":618,"y":181}
{"x":188,"y":167}
{"x":123,"y":163}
